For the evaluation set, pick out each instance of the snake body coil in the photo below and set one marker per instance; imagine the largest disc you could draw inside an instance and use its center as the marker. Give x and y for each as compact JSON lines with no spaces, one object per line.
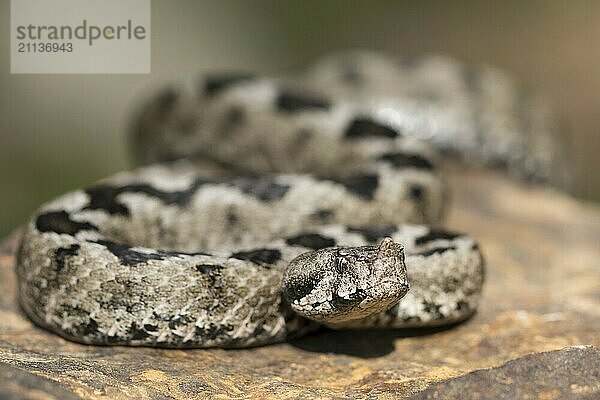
{"x":298,"y":203}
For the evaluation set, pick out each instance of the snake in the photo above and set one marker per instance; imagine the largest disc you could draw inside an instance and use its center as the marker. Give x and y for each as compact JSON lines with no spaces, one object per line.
{"x":266,"y":208}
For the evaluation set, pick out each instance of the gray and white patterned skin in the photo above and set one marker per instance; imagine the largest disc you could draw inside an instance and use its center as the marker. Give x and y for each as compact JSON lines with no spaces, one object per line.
{"x":320,"y":228}
{"x":479,"y":114}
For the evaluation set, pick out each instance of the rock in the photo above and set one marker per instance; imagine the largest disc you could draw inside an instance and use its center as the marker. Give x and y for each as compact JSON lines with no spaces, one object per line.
{"x":571,"y":373}
{"x":18,"y":384}
{"x":541,"y":295}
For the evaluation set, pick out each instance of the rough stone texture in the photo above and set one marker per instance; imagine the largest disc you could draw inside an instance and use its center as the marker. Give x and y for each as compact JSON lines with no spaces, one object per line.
{"x":570,"y":373}
{"x":542,"y":294}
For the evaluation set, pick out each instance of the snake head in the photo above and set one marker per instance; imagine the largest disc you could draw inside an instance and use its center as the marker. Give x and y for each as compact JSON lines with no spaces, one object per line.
{"x":339,"y":284}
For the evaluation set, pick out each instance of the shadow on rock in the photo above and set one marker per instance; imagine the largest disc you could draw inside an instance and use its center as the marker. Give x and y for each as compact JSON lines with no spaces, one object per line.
{"x":364,"y":343}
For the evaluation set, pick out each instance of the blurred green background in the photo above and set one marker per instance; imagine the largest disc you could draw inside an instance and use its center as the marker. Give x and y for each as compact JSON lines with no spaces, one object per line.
{"x":58,"y":132}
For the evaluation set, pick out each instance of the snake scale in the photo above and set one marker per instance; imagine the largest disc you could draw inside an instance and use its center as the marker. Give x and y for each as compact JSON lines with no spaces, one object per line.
{"x":273,"y":206}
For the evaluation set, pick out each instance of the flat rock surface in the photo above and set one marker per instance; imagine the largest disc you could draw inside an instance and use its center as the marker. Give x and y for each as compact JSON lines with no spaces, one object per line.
{"x":533,"y":336}
{"x":573,"y":372}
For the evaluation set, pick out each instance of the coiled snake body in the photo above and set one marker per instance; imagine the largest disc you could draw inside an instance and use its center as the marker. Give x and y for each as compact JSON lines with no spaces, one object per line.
{"x":298,"y":203}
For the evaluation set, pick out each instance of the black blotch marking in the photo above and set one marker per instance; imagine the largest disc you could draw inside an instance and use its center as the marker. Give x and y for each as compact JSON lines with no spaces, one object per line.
{"x":60,"y":222}
{"x":322,"y":215}
{"x":180,"y":198}
{"x":365,"y":127}
{"x":437,"y":234}
{"x":150,"y":327}
{"x":208,"y":268}
{"x":403,"y":160}
{"x":475,"y":247}
{"x":104,"y":197}
{"x":373,"y":233}
{"x":361,"y":185}
{"x":126,"y":255}
{"x":263,"y":188}
{"x":62,"y":252}
{"x":311,"y":240}
{"x":436,"y":250}
{"x":138,"y":333}
{"x":263,"y":257}
{"x":416,"y":192}
{"x":91,"y":328}
{"x":301,"y":289}
{"x":289,"y":101}
{"x":131,"y":257}
{"x":217,"y":83}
